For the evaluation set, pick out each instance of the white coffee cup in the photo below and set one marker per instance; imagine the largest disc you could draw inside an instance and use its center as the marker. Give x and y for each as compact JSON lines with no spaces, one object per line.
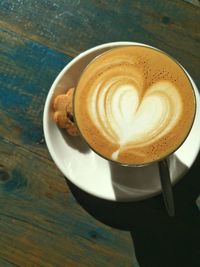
{"x":67,"y":78}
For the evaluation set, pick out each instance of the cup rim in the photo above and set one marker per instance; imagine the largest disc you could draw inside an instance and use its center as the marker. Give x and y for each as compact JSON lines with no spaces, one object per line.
{"x":129,"y":44}
{"x":48,"y":125}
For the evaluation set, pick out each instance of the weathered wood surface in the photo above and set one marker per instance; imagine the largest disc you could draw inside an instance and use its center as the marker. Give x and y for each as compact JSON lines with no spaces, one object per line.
{"x":41,"y":224}
{"x":38,"y":215}
{"x":27,"y":72}
{"x":160,"y":241}
{"x":193,"y":2}
{"x":74,"y":26}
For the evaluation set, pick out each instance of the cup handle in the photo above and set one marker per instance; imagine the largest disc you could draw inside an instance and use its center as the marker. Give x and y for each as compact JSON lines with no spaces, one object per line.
{"x":166,"y":187}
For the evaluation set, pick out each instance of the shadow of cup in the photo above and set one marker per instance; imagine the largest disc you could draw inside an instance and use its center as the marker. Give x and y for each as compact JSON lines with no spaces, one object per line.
{"x":159,"y":240}
{"x":144,"y":181}
{"x":145,"y":219}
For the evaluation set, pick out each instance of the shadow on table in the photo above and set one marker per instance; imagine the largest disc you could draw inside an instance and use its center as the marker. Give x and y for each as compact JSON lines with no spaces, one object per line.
{"x":160,"y":241}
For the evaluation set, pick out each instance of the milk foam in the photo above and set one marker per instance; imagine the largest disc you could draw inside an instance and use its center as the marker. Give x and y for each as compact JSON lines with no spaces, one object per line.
{"x":134,"y":105}
{"x":124,"y":117}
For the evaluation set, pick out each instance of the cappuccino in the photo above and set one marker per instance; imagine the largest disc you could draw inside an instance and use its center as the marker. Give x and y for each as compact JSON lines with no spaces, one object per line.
{"x":134,"y":105}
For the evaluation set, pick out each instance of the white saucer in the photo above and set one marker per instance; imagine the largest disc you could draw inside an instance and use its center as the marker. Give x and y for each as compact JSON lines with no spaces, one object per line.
{"x":97,"y":176}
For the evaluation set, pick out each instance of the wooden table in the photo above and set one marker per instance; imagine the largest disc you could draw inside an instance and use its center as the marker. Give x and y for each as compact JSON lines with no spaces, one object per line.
{"x":44,"y":219}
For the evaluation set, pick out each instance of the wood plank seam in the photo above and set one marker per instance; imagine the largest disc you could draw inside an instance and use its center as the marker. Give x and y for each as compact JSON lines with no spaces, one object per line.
{"x":4,"y":25}
{"x":25,"y":148}
{"x":41,"y":39}
{"x":37,"y":226}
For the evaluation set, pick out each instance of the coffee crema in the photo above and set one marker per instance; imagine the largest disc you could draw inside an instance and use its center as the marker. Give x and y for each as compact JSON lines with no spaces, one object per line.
{"x":134,"y":105}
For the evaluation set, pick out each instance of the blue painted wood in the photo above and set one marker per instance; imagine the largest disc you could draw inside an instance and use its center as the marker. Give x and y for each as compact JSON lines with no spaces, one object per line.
{"x":40,"y":221}
{"x":27,"y":72}
{"x":6,"y":263}
{"x":74,"y":26}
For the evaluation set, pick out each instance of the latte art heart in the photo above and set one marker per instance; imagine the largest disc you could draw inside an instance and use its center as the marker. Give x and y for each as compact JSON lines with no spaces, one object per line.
{"x":128,"y":119}
{"x":134,"y":105}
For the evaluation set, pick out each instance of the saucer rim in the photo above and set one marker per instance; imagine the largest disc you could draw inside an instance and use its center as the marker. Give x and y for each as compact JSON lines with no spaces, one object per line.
{"x":53,"y":154}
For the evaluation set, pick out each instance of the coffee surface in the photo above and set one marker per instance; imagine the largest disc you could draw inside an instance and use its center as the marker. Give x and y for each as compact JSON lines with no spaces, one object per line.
{"x":134,"y":105}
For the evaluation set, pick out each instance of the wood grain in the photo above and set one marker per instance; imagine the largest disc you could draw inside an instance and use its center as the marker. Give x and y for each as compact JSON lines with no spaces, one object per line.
{"x":27,"y":71}
{"x":74,"y":26}
{"x":41,"y":224}
{"x":29,"y":68}
{"x":193,"y":2}
{"x":40,"y":221}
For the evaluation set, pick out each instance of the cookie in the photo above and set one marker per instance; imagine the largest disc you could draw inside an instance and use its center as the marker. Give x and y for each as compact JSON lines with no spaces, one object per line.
{"x":63,"y":112}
